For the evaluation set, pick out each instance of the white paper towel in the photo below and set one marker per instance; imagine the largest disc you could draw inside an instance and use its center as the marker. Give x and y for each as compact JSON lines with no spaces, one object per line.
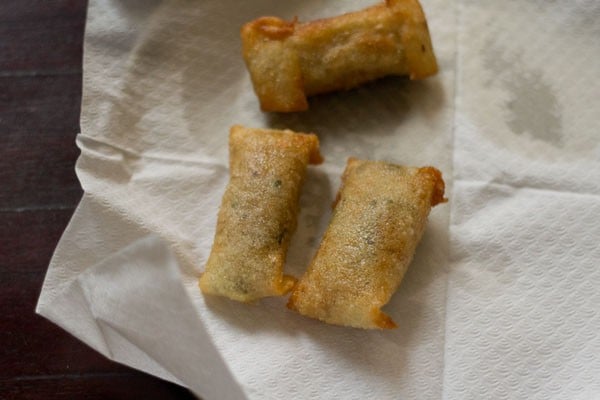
{"x":502,"y":299}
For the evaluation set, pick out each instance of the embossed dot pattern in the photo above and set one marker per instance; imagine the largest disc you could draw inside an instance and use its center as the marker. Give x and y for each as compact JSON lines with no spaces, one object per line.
{"x":523,"y":295}
{"x":523,"y":310}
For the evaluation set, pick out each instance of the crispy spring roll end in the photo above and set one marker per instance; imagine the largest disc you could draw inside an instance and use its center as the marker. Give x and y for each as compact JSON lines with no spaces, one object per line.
{"x":439,"y":187}
{"x":381,"y":320}
{"x":279,"y":288}
{"x":376,"y":319}
{"x":273,"y":65}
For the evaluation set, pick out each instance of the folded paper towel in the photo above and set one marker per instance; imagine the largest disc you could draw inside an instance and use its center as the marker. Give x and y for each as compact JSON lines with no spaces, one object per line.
{"x":502,"y":298}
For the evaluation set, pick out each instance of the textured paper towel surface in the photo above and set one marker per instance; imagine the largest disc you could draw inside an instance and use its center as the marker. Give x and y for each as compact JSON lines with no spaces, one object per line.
{"x":523,"y":310}
{"x":501,"y":300}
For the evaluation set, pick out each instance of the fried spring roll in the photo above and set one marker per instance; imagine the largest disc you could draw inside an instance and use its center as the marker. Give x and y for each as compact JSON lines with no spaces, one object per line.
{"x":258,"y":213}
{"x":289,"y":61}
{"x":379,"y":216}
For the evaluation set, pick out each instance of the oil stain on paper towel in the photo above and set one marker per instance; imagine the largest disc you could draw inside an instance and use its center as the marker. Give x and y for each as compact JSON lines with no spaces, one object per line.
{"x":533,"y":106}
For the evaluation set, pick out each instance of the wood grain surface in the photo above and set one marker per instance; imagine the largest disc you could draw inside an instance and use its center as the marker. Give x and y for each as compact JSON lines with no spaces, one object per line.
{"x":40,"y":93}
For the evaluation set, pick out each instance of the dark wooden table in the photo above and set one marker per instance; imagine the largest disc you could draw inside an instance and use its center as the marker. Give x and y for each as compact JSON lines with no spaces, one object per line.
{"x":40,"y":92}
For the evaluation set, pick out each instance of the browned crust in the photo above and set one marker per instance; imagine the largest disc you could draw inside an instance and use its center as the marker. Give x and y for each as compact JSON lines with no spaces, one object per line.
{"x":258,"y":213}
{"x":439,"y":187}
{"x":273,"y":50}
{"x":415,"y":38}
{"x":273,"y":66}
{"x":380,"y":214}
{"x":271,"y":28}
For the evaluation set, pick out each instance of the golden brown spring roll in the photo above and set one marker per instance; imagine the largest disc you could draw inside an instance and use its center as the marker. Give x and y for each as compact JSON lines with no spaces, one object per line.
{"x":258,"y":213}
{"x":289,"y":60}
{"x":379,"y":216}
